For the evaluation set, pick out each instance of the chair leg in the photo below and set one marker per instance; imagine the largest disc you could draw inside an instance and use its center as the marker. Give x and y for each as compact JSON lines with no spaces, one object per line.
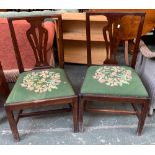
{"x":144,"y":112}
{"x":12,"y":124}
{"x":81,"y":110}
{"x":75,"y":115}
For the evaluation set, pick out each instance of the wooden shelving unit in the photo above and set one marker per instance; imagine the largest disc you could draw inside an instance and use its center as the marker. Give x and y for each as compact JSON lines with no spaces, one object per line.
{"x":74,"y":38}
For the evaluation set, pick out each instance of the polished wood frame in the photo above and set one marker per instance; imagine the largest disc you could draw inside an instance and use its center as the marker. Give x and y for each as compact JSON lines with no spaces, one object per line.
{"x":38,"y":44}
{"x":115,"y":36}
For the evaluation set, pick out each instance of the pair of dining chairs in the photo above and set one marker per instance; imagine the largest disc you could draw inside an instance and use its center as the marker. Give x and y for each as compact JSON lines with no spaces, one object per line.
{"x":45,"y":85}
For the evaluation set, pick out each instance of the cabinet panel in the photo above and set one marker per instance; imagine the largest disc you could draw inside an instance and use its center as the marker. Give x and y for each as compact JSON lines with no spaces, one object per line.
{"x":74,"y":38}
{"x":76,"y":52}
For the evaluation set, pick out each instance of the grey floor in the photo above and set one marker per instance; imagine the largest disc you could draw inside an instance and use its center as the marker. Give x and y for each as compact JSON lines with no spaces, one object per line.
{"x":99,"y":128}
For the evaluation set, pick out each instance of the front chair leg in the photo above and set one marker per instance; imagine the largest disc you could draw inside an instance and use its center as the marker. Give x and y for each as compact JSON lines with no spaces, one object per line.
{"x":12,"y":123}
{"x":144,"y":112}
{"x":75,"y":115}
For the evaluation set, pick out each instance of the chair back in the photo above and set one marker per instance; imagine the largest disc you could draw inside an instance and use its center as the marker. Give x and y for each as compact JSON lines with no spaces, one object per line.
{"x":37,"y":36}
{"x":121,"y":26}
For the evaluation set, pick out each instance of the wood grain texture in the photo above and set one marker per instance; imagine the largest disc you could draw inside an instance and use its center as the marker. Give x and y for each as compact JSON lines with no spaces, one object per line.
{"x":75,"y":51}
{"x":74,"y":38}
{"x":149,"y":22}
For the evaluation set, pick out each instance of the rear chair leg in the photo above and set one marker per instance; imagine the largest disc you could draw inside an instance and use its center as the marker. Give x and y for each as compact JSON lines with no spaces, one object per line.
{"x":144,"y":112}
{"x":75,"y":115}
{"x":81,"y":110}
{"x":12,"y":124}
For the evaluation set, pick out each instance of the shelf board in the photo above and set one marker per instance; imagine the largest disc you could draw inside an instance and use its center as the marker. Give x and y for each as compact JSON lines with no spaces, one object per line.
{"x":74,"y":38}
{"x":75,"y":52}
{"x":81,"y":17}
{"x":82,"y":36}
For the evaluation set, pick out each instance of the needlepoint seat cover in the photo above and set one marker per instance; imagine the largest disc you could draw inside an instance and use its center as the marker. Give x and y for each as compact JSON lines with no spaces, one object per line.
{"x":40,"y":85}
{"x":113,"y":80}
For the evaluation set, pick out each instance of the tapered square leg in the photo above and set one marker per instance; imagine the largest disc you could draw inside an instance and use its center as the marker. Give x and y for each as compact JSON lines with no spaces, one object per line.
{"x":12,"y":123}
{"x":81,"y":110}
{"x":144,"y":112}
{"x":75,"y":116}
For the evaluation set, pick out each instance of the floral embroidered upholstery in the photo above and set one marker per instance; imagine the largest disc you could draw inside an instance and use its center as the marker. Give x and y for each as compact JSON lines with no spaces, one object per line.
{"x":113,"y":75}
{"x":42,"y":81}
{"x":38,"y":85}
{"x":113,"y":80}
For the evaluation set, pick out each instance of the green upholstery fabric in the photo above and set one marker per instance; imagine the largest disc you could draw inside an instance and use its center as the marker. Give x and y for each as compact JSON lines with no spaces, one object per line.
{"x":25,"y":90}
{"x":124,"y":82}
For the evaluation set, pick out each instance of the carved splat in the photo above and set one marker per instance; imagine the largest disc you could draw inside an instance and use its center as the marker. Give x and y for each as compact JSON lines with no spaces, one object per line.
{"x":112,"y":35}
{"x":120,"y":26}
{"x":38,"y":37}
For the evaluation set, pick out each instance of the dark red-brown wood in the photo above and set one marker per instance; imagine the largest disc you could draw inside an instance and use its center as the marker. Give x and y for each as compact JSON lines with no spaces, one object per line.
{"x":37,"y":37}
{"x":113,"y":34}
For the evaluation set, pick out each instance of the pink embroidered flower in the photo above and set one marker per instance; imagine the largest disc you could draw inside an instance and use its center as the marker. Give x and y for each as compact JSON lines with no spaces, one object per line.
{"x":101,"y":80}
